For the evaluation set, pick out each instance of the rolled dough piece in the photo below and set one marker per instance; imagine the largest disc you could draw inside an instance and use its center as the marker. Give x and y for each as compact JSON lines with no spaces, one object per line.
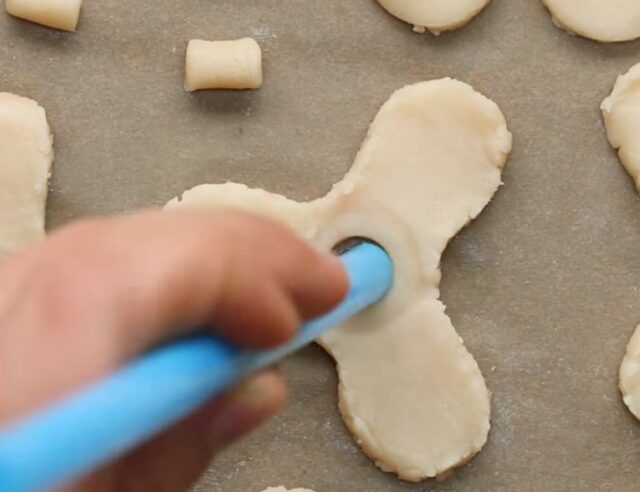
{"x":282,"y":489}
{"x":602,"y":20}
{"x":59,"y":14}
{"x":621,"y":112}
{"x":223,"y":65}
{"x":435,"y":16}
{"x":410,"y":392}
{"x":26,"y":156}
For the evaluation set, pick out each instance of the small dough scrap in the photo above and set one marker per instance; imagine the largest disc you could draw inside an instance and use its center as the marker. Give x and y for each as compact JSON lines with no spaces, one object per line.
{"x":59,"y":14}
{"x":282,"y":489}
{"x":434,"y":15}
{"x":601,"y":20}
{"x":26,"y":156}
{"x":223,"y":65}
{"x":410,"y":392}
{"x":621,"y":112}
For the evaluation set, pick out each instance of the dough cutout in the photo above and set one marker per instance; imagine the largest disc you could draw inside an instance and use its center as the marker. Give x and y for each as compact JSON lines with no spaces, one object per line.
{"x":436,"y":16}
{"x":59,"y":14}
{"x":26,"y":156}
{"x":410,"y":392}
{"x":621,"y":112}
{"x":601,"y":20}
{"x":223,"y":65}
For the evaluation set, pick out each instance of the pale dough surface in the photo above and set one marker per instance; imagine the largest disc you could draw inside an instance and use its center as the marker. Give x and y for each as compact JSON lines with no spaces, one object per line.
{"x":26,"y":156}
{"x":435,"y":15}
{"x":235,"y":64}
{"x":621,"y":112}
{"x":59,"y":14}
{"x":410,"y":392}
{"x":601,"y":20}
{"x":282,"y":489}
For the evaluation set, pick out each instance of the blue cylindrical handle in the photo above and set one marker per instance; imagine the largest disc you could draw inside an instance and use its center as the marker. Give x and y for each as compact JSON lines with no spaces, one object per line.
{"x":115,"y":415}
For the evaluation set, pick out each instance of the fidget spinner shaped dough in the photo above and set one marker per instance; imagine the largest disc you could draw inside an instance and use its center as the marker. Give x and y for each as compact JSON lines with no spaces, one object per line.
{"x":435,"y":16}
{"x":410,"y":392}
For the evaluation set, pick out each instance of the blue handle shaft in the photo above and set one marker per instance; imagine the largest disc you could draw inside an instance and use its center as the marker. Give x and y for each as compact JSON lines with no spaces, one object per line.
{"x":115,"y":415}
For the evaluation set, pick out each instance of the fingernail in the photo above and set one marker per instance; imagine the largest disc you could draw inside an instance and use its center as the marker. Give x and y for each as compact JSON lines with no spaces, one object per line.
{"x":247,"y":406}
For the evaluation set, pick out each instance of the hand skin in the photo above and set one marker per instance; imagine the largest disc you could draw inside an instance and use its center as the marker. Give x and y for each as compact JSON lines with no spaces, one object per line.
{"x":93,"y":295}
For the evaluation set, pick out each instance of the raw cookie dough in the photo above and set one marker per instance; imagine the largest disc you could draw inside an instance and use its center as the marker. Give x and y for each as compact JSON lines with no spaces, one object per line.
{"x":601,"y":20}
{"x":223,"y":65}
{"x":410,"y":392}
{"x":282,"y":489}
{"x":435,"y":16}
{"x":26,"y":155}
{"x":621,"y":112}
{"x":59,"y":14}
{"x":630,"y":375}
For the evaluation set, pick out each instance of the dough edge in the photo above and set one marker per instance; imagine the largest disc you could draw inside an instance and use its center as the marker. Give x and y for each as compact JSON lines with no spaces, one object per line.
{"x":8,"y":101}
{"x":436,"y":28}
{"x":575,"y":30}
{"x":626,"y":83}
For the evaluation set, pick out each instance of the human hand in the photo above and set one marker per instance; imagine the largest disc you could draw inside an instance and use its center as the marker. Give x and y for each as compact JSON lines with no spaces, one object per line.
{"x":95,"y":294}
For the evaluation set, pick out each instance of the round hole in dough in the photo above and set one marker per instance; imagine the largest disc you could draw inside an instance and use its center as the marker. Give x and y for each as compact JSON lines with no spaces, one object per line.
{"x":602,"y":20}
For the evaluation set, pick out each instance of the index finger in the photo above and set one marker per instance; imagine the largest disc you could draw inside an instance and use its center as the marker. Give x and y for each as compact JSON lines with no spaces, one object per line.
{"x":99,"y":292}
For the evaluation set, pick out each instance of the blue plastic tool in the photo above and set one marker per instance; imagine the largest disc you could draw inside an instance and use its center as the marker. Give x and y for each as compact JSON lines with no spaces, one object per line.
{"x":115,"y":415}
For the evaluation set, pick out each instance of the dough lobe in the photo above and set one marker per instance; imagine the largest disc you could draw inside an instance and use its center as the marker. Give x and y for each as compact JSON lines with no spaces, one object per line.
{"x":601,"y":20}
{"x":26,"y":156}
{"x":435,"y":15}
{"x":235,"y":64}
{"x":621,"y":111}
